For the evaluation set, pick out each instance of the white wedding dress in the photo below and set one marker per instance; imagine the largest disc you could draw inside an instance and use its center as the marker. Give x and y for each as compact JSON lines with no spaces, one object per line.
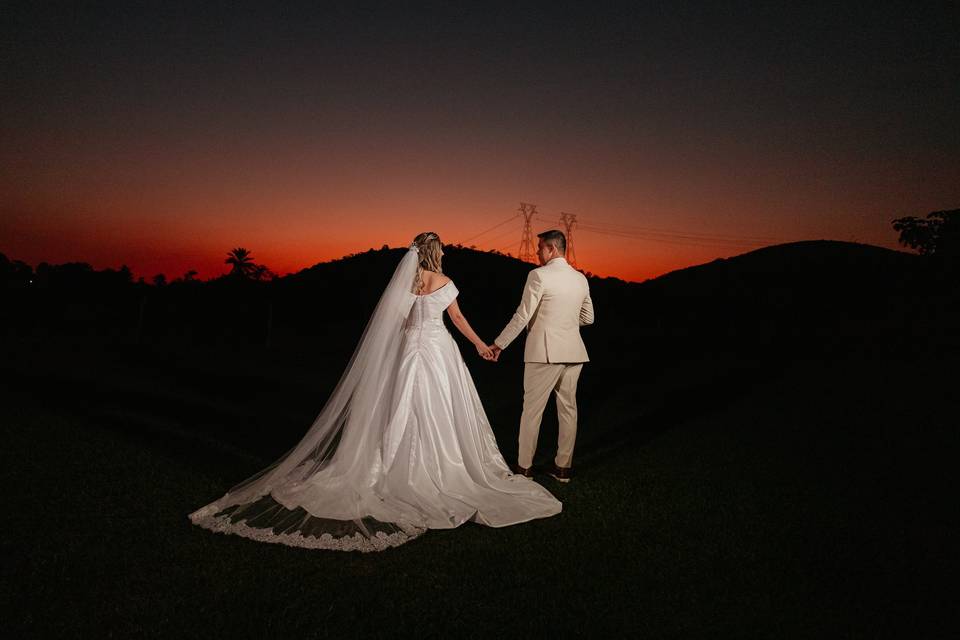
{"x":403,"y":445}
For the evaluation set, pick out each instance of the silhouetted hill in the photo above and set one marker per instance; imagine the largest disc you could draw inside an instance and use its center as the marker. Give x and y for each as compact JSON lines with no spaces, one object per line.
{"x":816,"y":295}
{"x":820,"y":263}
{"x":819,"y":294}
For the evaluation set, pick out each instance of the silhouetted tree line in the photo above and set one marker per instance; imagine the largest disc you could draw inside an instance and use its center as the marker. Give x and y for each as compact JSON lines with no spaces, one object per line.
{"x":803,"y":297}
{"x":81,"y":275}
{"x":69,"y":275}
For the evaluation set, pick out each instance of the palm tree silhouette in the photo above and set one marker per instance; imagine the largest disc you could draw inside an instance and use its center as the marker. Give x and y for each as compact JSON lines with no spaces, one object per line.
{"x":241,"y":261}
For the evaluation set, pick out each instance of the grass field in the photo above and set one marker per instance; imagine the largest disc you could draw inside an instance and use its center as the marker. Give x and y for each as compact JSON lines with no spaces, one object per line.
{"x":713,"y":498}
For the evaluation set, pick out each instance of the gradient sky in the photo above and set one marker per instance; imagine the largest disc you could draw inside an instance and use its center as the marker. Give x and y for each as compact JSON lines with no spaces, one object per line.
{"x":161,"y":135}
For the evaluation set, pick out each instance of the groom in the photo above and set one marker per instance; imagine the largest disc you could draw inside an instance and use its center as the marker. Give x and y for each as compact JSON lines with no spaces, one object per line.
{"x":554,"y":304}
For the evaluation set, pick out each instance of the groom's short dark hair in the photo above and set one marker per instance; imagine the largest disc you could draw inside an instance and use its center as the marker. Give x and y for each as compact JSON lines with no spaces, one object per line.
{"x":556,"y":238}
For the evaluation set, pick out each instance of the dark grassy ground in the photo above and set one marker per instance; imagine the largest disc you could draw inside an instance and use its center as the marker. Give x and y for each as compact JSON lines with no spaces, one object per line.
{"x":716,"y":496}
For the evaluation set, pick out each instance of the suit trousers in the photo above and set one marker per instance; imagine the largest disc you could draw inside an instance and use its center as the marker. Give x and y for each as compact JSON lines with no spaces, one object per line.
{"x":539,"y":379}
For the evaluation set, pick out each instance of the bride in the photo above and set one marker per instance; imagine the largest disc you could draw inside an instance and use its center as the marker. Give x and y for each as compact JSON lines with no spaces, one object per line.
{"x":402,"y":444}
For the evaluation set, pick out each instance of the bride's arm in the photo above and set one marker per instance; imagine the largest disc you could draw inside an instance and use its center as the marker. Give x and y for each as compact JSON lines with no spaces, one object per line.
{"x":458,"y":319}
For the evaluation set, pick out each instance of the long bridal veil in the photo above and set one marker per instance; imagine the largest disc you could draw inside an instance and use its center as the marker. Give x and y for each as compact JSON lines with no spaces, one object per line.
{"x":317,"y":495}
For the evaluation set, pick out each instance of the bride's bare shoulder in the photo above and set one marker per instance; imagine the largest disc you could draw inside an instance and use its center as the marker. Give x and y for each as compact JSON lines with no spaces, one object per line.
{"x":434,"y":278}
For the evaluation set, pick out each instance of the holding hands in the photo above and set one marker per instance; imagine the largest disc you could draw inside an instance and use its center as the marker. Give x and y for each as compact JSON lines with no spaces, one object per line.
{"x":485,"y":352}
{"x":491,"y":352}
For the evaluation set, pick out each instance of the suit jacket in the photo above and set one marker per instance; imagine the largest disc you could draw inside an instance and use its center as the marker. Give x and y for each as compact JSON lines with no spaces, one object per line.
{"x":554,"y":304}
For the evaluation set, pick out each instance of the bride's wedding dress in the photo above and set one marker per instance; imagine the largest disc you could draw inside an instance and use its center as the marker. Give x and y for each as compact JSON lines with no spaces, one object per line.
{"x":402,"y":445}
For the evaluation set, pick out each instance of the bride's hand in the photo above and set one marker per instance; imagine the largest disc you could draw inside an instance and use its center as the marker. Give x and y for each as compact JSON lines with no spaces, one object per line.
{"x":485,"y":352}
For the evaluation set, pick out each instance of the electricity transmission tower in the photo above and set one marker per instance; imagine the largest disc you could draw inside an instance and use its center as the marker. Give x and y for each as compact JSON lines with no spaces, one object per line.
{"x":527,"y":251}
{"x":568,"y":220}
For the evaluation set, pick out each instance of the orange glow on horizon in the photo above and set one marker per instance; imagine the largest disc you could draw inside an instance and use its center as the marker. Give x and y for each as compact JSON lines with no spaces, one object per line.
{"x":169,"y":215}
{"x":286,"y":243}
{"x":205,"y":253}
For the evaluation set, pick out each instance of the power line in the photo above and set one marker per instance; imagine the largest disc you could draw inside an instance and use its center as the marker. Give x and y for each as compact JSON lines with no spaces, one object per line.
{"x":615,"y":230}
{"x":508,"y":232}
{"x":682,"y":235}
{"x":642,"y":231}
{"x":693,"y":243}
{"x":652,"y":234}
{"x":678,"y":240}
{"x":606,"y":226}
{"x":499,"y":224}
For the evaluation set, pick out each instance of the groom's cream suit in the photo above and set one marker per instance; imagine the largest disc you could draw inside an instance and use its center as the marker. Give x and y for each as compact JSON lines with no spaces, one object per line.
{"x":554,"y":305}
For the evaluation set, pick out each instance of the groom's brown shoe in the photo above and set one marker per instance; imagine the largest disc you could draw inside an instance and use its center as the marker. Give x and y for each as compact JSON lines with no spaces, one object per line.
{"x":517,"y":469}
{"x":560,"y":474}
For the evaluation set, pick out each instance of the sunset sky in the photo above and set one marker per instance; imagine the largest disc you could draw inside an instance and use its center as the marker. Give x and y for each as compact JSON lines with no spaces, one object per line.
{"x":162,"y":135}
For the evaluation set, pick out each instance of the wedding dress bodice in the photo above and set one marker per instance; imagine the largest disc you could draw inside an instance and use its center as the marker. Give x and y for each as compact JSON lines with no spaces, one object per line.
{"x":427,"y":310}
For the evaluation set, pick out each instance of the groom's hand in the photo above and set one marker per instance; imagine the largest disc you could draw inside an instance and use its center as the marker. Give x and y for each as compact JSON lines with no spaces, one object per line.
{"x":496,"y":352}
{"x":484,"y":351}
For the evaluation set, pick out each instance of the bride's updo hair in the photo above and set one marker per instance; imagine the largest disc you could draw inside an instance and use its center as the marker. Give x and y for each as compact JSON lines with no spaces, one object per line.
{"x":428,"y":245}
